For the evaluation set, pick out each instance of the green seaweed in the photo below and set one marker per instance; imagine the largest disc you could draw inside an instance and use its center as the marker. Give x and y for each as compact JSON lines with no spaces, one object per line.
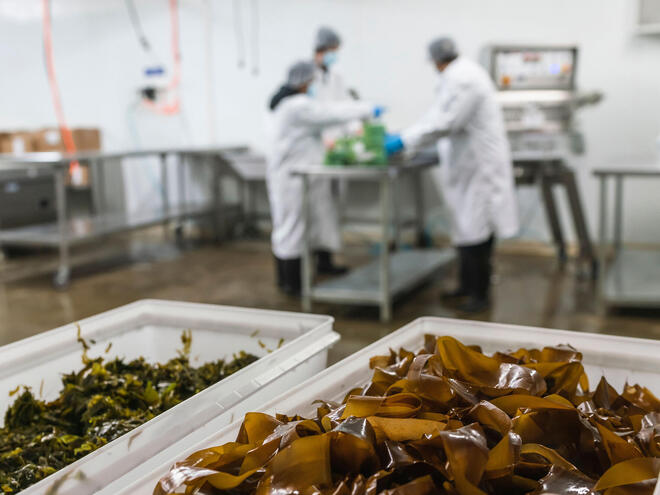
{"x":365,"y":149}
{"x":97,"y":404}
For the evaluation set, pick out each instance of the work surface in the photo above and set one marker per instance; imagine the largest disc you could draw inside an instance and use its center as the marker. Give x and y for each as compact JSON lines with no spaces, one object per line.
{"x":530,"y":292}
{"x":54,"y":157}
{"x":635,"y":169}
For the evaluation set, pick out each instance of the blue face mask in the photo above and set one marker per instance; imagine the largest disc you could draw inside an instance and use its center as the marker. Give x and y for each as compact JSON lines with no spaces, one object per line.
{"x":329,"y":58}
{"x":311,"y":90}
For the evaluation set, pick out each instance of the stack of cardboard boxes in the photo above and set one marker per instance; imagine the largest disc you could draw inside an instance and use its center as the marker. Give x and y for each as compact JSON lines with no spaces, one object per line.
{"x":48,"y":139}
{"x":16,"y":142}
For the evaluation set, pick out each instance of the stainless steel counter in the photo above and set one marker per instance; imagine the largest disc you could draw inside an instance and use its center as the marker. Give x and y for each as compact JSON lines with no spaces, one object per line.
{"x":392,"y":274}
{"x":632,"y":279}
{"x":66,"y":232}
{"x":53,"y":158}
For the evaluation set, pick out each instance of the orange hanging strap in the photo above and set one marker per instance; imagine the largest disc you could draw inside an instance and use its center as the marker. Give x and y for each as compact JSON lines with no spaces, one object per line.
{"x":65,"y":132}
{"x":173,"y":86}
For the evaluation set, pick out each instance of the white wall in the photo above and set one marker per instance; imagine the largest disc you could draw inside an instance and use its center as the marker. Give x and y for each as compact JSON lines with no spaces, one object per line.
{"x":99,"y":62}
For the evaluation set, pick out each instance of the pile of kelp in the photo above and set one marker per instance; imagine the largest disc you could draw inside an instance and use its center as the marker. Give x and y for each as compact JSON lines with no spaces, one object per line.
{"x":97,"y":404}
{"x":447,"y":420}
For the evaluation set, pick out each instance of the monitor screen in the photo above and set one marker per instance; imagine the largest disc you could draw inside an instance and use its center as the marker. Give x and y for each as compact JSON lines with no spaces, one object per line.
{"x":534,"y":68}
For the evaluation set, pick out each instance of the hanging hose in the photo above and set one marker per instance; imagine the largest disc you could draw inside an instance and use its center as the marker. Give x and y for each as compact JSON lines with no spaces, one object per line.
{"x":238,"y":32}
{"x":173,"y":87}
{"x":65,"y":132}
{"x":137,"y":26}
{"x":255,"y":37}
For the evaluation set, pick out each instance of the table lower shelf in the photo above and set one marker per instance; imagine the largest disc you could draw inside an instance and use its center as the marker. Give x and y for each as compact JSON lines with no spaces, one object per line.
{"x":408,"y":269}
{"x":633,"y":279}
{"x":85,"y":229}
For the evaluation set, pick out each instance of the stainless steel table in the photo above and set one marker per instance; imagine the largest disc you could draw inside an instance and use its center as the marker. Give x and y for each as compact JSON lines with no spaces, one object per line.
{"x":250,"y":170}
{"x":546,"y":169}
{"x":633,"y":277}
{"x":381,"y":281}
{"x":66,"y":232}
{"x":549,"y":169}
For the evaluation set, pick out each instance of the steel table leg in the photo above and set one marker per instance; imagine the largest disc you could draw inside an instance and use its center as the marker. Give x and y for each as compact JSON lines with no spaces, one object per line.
{"x":97,"y":182}
{"x":602,"y":231}
{"x":251,"y":209}
{"x":62,"y":277}
{"x":242,"y":202}
{"x":165,"y":194}
{"x":396,"y":219}
{"x":217,"y":198}
{"x":618,"y":213}
{"x":181,"y":187}
{"x":420,"y":212}
{"x":183,"y":193}
{"x":252,"y":201}
{"x":384,"y":278}
{"x":579,"y":219}
{"x":246,"y":201}
{"x":546,"y":182}
{"x":342,"y":199}
{"x":307,"y":268}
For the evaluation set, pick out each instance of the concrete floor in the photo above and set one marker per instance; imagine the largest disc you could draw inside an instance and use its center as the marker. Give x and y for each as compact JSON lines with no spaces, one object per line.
{"x":529,"y":291}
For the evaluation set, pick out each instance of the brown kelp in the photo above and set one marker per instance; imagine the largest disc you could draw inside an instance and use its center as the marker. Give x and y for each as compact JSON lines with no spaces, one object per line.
{"x":448,"y":419}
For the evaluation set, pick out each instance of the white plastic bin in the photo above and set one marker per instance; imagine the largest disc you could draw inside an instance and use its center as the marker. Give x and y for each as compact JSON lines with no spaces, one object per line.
{"x":152,"y":328}
{"x":618,"y":358}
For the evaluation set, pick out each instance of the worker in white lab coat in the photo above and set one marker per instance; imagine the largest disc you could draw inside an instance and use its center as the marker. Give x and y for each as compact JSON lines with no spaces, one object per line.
{"x":476,"y":173}
{"x":295,"y":140}
{"x":330,"y":84}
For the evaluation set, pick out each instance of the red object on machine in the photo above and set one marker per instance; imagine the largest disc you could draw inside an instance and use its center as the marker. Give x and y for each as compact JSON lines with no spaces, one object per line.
{"x":65,"y":132}
{"x":173,"y":87}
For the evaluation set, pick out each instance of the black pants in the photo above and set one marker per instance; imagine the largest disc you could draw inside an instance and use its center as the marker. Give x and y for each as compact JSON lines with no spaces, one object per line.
{"x":475,"y":268}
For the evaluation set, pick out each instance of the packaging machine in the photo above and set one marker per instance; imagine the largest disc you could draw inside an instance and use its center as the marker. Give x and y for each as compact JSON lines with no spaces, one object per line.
{"x":539,"y":97}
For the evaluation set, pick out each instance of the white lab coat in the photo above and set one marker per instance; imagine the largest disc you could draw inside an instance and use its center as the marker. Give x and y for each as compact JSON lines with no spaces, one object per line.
{"x":476,"y":174}
{"x":295,"y":140}
{"x":330,"y":86}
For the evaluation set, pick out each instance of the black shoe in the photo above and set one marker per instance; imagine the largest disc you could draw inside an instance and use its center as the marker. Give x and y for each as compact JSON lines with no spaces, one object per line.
{"x":279,"y":272}
{"x":453,"y":294}
{"x":291,"y":290}
{"x":291,"y":283}
{"x":325,"y":266}
{"x":475,"y":305}
{"x":332,"y":270}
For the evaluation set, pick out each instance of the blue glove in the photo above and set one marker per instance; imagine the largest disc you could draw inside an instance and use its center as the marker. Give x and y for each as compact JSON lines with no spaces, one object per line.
{"x":393,"y":143}
{"x":378,"y":111}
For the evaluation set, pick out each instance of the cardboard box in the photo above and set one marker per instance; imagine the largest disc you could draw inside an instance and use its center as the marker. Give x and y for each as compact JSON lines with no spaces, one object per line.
{"x":16,"y":142}
{"x":48,"y":140}
{"x":85,"y":139}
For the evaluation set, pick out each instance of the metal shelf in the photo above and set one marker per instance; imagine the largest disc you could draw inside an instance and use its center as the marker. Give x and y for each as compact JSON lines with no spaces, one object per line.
{"x":362,"y":285}
{"x":86,"y":229}
{"x":633,"y":279}
{"x":380,"y":281}
{"x":65,"y":232}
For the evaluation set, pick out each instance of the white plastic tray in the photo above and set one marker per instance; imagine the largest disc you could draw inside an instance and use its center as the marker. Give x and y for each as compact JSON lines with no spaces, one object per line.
{"x":152,"y":328}
{"x":618,"y":358}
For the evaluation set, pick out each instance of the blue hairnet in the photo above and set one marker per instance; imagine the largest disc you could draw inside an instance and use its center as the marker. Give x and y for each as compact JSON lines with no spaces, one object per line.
{"x":443,"y":49}
{"x":300,"y":74}
{"x":327,"y":38}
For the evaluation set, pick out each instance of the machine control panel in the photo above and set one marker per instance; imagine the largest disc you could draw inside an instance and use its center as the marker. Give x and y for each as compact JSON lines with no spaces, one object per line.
{"x":533,"y":68}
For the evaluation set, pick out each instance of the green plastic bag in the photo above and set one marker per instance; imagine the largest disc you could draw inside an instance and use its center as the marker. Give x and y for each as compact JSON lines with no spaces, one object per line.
{"x":374,"y":143}
{"x":368,"y":149}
